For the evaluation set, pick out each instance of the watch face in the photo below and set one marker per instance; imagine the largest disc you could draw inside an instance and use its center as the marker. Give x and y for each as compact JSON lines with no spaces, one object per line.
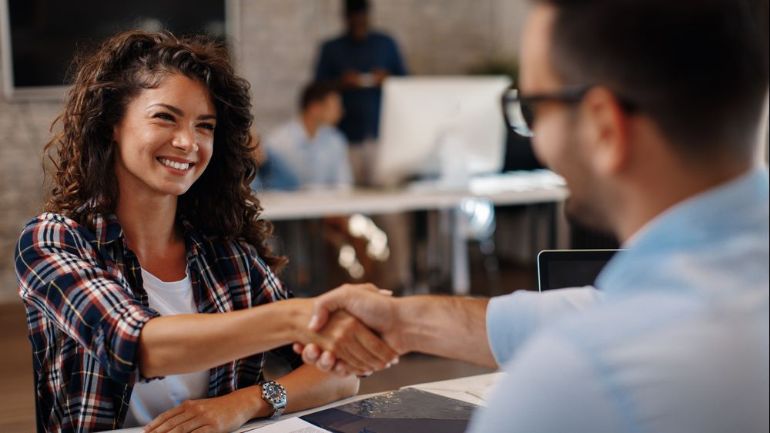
{"x":274,"y":392}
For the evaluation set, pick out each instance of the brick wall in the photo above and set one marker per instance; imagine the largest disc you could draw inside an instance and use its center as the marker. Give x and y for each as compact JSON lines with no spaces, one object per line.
{"x":275,"y":51}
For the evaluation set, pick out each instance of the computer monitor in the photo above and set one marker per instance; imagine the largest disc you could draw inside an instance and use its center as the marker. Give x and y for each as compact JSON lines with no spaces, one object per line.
{"x":447,"y":127}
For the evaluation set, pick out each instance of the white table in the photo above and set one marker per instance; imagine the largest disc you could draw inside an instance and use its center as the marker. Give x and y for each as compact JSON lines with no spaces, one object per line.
{"x":507,"y":189}
{"x":515,"y":188}
{"x":473,"y":389}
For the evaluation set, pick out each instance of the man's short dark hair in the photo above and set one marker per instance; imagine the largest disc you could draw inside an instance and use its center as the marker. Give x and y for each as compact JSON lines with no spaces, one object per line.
{"x":698,"y":68}
{"x":356,"y":6}
{"x":316,"y":92}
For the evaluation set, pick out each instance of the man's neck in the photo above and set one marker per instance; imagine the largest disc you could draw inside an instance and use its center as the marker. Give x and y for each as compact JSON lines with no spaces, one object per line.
{"x":358,"y":38}
{"x":648,"y":200}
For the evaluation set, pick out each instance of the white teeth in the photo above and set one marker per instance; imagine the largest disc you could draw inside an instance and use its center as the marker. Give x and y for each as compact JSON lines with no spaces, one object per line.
{"x":174,"y":164}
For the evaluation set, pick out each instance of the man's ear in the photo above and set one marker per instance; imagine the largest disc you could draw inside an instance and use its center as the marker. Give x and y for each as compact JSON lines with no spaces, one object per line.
{"x":607,"y":130}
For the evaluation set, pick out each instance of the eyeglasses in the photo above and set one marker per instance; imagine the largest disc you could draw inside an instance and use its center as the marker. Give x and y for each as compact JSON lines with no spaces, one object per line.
{"x":519,"y":111}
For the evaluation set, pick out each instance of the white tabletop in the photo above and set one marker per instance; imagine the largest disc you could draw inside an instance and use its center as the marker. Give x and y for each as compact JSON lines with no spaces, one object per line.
{"x":513,"y":188}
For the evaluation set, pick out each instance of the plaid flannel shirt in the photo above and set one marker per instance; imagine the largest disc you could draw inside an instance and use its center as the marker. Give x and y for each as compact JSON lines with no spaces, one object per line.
{"x":86,"y":306}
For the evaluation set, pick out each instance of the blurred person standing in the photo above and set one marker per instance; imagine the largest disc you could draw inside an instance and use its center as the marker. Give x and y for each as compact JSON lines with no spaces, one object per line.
{"x":359,"y":61}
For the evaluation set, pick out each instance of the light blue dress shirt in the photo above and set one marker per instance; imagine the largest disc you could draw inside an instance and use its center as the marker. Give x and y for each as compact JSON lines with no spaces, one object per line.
{"x":318,"y":162}
{"x":674,"y":340}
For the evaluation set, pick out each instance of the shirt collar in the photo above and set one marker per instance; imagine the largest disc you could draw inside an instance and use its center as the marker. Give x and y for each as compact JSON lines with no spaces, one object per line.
{"x":193,"y":238}
{"x":700,"y":221}
{"x":305,"y":138}
{"x":353,"y":41}
{"x":108,"y":230}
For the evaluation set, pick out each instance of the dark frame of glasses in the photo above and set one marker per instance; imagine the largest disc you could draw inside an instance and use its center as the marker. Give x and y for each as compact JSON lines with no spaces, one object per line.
{"x":524,"y":105}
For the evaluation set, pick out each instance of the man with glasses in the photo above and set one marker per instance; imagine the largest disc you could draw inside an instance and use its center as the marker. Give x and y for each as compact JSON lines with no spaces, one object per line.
{"x":649,"y":109}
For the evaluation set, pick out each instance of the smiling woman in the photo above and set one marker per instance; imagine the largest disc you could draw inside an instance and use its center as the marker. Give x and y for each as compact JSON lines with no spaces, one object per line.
{"x":163,"y":149}
{"x":151,"y":222}
{"x":131,"y":66}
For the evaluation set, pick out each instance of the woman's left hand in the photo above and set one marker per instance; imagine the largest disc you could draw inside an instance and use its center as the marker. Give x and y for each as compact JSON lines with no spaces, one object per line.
{"x":212,"y":415}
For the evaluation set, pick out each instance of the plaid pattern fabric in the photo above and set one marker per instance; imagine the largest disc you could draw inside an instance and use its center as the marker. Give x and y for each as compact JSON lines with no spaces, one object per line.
{"x":86,"y":306}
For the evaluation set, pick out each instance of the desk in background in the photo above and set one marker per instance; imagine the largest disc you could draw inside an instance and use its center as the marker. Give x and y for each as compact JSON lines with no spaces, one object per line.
{"x":515,"y":188}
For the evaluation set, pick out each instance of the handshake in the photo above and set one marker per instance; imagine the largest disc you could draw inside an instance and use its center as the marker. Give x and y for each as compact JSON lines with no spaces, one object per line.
{"x":354,"y":329}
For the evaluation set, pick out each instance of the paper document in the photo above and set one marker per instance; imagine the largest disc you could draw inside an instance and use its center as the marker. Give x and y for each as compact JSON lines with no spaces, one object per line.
{"x":291,"y":425}
{"x":474,"y":389}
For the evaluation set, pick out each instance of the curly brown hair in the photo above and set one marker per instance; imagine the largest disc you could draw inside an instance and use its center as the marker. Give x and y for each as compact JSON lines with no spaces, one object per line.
{"x":220,"y":203}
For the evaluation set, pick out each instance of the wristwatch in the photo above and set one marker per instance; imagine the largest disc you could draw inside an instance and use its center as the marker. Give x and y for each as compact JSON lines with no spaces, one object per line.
{"x":275,"y":395}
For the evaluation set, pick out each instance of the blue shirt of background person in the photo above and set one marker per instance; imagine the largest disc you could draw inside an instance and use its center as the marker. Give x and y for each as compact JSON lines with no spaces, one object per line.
{"x":275,"y":174}
{"x":359,"y":61}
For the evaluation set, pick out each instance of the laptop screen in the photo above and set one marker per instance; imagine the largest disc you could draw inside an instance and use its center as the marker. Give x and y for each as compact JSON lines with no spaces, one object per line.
{"x":558,"y":269}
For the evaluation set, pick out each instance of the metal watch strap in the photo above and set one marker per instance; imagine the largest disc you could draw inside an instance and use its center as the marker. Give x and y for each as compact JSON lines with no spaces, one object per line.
{"x":275,"y":395}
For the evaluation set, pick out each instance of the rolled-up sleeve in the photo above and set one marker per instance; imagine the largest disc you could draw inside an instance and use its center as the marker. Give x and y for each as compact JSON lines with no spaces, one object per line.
{"x":512,"y":319}
{"x":60,"y":276}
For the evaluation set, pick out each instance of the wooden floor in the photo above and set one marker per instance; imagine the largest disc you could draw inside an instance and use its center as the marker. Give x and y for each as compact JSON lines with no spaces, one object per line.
{"x":16,"y":397}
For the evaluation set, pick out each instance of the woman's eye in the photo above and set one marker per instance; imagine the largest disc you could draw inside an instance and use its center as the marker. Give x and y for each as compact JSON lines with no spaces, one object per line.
{"x":164,"y":116}
{"x":208,"y":126}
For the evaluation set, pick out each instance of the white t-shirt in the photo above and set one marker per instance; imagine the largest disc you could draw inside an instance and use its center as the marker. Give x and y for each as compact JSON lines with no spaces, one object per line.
{"x":150,"y":399}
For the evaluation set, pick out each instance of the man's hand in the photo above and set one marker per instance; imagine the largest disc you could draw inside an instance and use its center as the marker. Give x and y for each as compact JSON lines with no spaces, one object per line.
{"x":350,"y":341}
{"x":379,"y":76}
{"x":374,"y":307}
{"x":350,"y":79}
{"x":212,"y":415}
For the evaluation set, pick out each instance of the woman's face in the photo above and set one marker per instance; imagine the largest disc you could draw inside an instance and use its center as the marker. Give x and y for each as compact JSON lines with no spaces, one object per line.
{"x":165,"y":138}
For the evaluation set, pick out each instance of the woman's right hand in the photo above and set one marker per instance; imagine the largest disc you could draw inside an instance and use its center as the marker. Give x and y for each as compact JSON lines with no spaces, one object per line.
{"x":221,"y":414}
{"x":352,"y":342}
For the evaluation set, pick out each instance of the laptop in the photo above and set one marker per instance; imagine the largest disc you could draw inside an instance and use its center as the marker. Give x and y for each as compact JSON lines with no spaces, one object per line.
{"x":558,"y":269}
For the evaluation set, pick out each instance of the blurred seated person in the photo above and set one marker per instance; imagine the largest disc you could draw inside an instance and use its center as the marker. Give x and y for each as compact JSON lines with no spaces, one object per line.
{"x":308,"y":152}
{"x":273,"y":172}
